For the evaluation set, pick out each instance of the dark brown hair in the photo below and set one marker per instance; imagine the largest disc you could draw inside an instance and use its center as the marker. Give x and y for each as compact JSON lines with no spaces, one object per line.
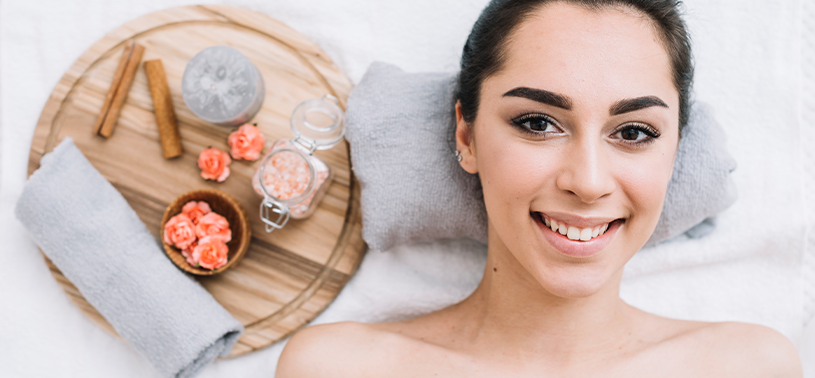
{"x":485,"y":50}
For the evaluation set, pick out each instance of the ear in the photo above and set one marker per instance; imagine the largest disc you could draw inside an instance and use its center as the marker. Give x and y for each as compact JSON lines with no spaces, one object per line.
{"x":465,"y":142}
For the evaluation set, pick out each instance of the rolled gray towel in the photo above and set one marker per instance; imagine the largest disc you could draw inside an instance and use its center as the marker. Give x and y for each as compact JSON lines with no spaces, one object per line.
{"x":82,"y":223}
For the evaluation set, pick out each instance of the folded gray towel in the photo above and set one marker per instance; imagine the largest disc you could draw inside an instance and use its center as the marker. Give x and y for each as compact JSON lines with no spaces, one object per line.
{"x":82,"y":223}
{"x":701,"y":185}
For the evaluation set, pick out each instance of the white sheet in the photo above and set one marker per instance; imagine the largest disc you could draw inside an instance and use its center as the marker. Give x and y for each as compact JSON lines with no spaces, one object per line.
{"x":807,"y":348}
{"x":749,"y":67}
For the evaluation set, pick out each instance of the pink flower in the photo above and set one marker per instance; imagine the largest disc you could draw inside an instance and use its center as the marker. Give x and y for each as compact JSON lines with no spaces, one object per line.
{"x":246,"y":142}
{"x":214,"y":164}
{"x":179,"y":231}
{"x":213,"y":225}
{"x":195,"y":210}
{"x":210,"y":253}
{"x":187,"y":253}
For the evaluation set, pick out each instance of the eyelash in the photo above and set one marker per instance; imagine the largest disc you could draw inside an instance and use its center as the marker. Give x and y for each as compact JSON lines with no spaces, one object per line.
{"x":519,"y":122}
{"x":651,"y":132}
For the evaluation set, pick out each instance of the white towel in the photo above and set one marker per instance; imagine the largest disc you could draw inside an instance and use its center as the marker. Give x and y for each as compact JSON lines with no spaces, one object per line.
{"x":748,"y":68}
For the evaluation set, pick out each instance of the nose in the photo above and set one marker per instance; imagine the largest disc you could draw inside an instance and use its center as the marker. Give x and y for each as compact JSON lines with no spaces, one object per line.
{"x":586,"y":171}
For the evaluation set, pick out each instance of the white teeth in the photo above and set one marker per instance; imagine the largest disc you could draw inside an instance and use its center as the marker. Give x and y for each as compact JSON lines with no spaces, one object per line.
{"x":574,"y":233}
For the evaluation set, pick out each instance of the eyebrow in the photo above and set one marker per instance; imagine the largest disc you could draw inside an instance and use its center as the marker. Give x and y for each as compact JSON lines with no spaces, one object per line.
{"x":550,"y":98}
{"x":542,"y":96}
{"x":634,"y":104}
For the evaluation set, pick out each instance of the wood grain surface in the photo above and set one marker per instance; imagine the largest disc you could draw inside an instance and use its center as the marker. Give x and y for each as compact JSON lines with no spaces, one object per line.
{"x":287,"y":277}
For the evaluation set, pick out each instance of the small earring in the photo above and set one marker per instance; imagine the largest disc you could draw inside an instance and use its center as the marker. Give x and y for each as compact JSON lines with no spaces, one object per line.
{"x":458,"y":156}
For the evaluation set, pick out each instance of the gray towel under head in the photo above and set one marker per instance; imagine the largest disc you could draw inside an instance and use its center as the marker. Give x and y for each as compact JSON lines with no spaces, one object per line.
{"x":82,"y":223}
{"x":701,"y":185}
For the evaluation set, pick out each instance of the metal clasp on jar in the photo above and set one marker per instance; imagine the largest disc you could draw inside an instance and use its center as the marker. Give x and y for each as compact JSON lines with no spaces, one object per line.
{"x":269,"y":207}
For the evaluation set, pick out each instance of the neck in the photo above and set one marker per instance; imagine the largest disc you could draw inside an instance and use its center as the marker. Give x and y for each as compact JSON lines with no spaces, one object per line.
{"x":512,"y":311}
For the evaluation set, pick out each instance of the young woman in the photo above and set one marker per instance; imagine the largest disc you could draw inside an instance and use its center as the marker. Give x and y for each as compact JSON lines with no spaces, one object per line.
{"x":570,"y":112}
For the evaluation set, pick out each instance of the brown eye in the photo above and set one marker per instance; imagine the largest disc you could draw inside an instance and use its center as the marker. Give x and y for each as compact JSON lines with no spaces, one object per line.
{"x":537,"y":124}
{"x":540,"y":124}
{"x":631,"y":134}
{"x":636,"y":133}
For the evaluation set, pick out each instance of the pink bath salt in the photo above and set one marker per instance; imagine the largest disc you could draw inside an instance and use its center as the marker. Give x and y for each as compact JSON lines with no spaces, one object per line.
{"x":286,"y":175}
{"x":301,"y":208}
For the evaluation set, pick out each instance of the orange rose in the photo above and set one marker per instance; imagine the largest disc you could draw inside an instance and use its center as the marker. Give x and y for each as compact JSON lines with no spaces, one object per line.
{"x":213,"y":225}
{"x":179,"y":231}
{"x":195,"y":210}
{"x":246,"y":143}
{"x":214,"y":164}
{"x":210,"y":253}
{"x":187,"y":253}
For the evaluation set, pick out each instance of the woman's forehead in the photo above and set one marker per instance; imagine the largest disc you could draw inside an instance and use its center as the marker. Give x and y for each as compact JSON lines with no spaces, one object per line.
{"x":594,"y":54}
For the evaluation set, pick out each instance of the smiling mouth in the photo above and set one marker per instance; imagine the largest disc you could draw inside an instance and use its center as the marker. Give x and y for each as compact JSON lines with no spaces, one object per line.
{"x":575,"y":233}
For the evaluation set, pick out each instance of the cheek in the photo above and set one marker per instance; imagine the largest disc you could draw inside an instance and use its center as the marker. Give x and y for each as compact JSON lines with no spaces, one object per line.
{"x":511,"y":172}
{"x":644,"y":182}
{"x":508,"y":172}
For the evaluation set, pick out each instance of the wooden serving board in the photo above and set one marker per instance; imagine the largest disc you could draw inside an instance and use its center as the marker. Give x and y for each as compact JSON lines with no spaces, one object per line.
{"x":287,"y":277}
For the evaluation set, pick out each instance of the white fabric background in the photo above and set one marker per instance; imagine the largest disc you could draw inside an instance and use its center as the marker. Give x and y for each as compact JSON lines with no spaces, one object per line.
{"x":755,"y":66}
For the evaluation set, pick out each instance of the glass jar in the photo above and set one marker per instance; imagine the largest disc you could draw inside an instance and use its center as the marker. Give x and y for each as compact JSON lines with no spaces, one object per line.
{"x":291,"y":180}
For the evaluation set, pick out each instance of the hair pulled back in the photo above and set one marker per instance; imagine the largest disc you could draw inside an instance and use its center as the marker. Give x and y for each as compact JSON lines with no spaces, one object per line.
{"x":485,"y":50}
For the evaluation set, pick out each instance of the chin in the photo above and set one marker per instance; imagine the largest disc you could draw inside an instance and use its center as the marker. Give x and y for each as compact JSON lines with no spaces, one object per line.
{"x":574,"y":281}
{"x":565,"y":275}
{"x":571,"y":272}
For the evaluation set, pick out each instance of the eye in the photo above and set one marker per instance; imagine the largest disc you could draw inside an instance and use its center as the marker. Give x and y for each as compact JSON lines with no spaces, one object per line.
{"x":636,"y":134}
{"x":536,"y":124}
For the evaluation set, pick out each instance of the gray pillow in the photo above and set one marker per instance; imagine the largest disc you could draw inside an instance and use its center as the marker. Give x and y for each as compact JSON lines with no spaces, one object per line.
{"x":401,"y":127}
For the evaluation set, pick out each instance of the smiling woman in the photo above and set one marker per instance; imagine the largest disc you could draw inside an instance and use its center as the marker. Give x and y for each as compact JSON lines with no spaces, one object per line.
{"x":570,"y":112}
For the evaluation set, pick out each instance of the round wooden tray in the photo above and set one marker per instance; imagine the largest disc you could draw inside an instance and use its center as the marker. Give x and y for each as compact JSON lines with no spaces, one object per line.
{"x":287,"y":277}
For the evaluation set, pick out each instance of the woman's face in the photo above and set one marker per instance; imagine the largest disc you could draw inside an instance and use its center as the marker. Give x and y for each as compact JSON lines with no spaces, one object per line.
{"x":579,"y":128}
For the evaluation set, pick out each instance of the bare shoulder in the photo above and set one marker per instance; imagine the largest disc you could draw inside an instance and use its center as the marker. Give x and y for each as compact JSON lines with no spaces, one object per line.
{"x":743,"y":350}
{"x":332,"y":350}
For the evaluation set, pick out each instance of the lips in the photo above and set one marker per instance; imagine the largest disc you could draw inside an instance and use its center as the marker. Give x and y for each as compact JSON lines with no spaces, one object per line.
{"x":573,"y":232}
{"x":583,"y":240}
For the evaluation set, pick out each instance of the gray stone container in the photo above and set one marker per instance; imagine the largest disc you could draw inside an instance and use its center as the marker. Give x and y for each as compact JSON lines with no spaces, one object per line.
{"x":222,"y":86}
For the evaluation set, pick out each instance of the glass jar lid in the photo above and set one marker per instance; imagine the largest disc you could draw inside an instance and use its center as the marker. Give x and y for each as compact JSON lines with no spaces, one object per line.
{"x":222,"y":86}
{"x":318,"y":124}
{"x":286,"y":175}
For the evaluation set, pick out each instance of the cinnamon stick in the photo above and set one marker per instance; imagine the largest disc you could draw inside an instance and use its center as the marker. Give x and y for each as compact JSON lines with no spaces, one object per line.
{"x":117,"y":80}
{"x":163,"y":108}
{"x":121,"y":92}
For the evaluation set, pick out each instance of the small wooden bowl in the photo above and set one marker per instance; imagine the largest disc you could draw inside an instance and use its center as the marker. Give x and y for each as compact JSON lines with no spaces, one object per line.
{"x":224,"y":205}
